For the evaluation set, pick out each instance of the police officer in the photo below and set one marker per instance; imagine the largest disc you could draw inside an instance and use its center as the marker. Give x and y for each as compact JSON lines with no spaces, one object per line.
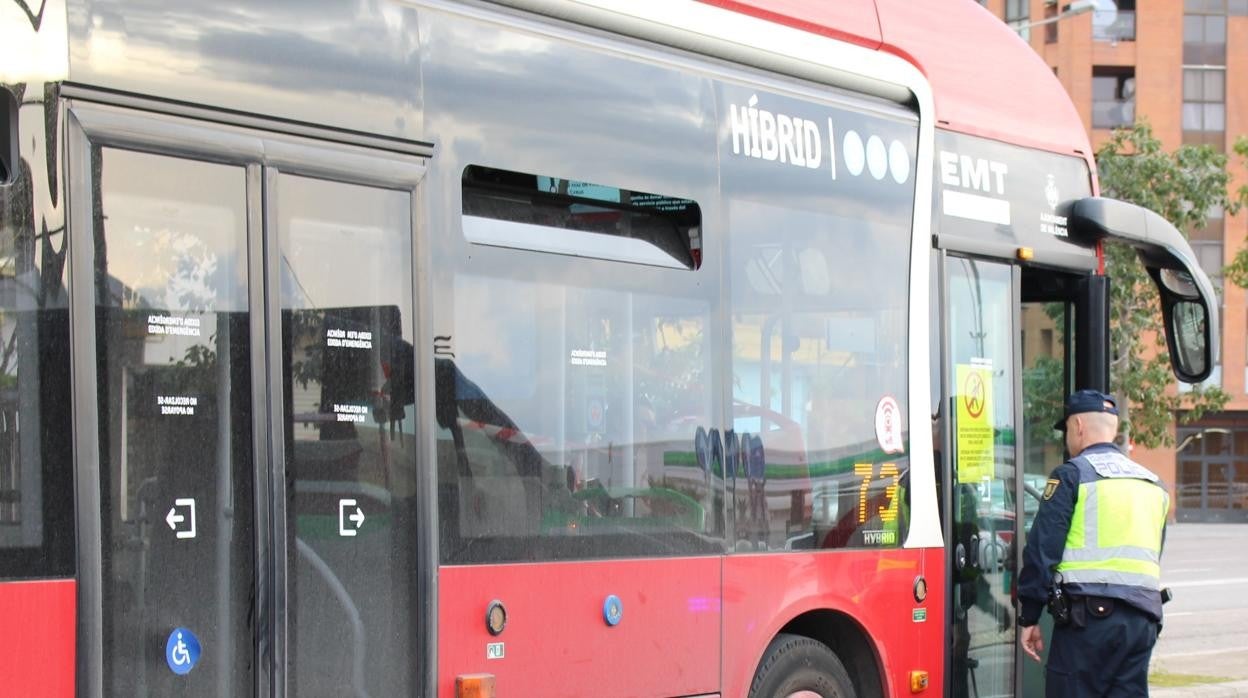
{"x":1093,"y":555}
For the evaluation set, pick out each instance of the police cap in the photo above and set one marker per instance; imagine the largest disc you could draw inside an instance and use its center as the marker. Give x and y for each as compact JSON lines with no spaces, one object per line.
{"x":1082,"y":401}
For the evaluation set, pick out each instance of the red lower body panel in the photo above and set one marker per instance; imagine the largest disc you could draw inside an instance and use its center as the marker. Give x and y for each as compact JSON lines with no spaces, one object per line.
{"x":557,"y":641}
{"x":37,"y":638}
{"x":763,"y":593}
{"x":672,"y":637}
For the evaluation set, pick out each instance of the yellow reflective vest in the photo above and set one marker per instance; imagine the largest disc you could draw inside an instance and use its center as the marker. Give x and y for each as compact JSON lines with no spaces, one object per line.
{"x":1116,"y":530}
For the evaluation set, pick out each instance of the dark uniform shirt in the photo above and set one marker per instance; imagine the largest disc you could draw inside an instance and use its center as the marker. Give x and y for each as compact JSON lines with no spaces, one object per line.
{"x":1047,"y":539}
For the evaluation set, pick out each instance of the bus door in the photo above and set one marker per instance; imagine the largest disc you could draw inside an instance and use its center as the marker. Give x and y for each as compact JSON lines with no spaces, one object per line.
{"x":1012,"y":335}
{"x":1024,"y":318}
{"x":981,"y":315}
{"x":1063,"y":323}
{"x":243,"y":333}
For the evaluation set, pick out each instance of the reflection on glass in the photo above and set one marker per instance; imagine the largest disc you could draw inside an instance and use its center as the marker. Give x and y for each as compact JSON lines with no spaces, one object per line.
{"x":818,"y":369}
{"x":569,"y":422}
{"x":1212,"y":475}
{"x":1190,"y":487}
{"x":1179,"y":282}
{"x":347,"y":357}
{"x":981,"y":336}
{"x":36,"y":469}
{"x":1045,"y":375}
{"x":175,"y":414}
{"x":1190,"y":321}
{"x":1237,"y":487}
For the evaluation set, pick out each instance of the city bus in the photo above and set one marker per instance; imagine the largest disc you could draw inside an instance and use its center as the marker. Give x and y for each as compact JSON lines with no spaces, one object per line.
{"x":538,"y":347}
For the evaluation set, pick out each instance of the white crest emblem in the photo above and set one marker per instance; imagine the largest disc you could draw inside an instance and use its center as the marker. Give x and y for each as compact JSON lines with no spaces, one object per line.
{"x":1051,"y":194}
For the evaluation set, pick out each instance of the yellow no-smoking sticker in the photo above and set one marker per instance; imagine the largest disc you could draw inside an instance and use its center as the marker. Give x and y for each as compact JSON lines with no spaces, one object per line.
{"x":973,"y":425}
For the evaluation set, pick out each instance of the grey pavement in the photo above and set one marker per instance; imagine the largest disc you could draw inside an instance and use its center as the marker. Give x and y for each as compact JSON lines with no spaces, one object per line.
{"x":1206,"y":625}
{"x":1205,"y":690}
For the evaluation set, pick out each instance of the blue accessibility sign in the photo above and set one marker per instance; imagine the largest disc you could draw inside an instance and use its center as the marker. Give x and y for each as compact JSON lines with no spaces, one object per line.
{"x":182,"y":651}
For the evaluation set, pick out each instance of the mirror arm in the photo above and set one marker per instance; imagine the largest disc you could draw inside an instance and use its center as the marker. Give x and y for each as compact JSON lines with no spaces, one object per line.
{"x":1160,"y":246}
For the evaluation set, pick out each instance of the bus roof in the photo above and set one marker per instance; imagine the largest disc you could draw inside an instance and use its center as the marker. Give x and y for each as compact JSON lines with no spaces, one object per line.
{"x":1013,"y":97}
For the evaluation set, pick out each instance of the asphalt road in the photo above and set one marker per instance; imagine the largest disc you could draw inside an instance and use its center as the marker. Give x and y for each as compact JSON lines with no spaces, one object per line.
{"x":1206,"y":625}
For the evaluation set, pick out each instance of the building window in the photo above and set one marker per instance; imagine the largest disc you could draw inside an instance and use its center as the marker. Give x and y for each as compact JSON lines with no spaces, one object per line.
{"x":1204,"y":39}
{"x":1212,"y":230}
{"x":1208,"y":244}
{"x":1204,"y":107}
{"x":1050,"y":29}
{"x":1114,"y":21}
{"x":1113,"y":96}
{"x":1018,"y":13}
{"x":1209,"y":253}
{"x":1216,"y":7}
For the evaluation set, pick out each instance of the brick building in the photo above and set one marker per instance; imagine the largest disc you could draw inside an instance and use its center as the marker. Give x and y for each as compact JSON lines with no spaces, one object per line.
{"x":1182,"y":64}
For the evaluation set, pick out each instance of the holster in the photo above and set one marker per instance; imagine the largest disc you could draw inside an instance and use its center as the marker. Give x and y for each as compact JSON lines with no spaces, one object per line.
{"x":1059,"y":605}
{"x":1076,"y":609}
{"x":1078,"y":613}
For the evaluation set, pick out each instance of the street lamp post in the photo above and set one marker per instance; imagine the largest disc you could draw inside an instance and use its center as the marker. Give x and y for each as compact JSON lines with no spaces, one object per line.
{"x":1077,"y":7}
{"x":1191,"y":438}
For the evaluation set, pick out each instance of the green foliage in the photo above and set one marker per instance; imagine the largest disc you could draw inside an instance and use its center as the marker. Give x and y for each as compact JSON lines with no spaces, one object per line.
{"x":1043,"y":395}
{"x":672,"y":386}
{"x":1182,"y":186}
{"x":197,"y":374}
{"x":1237,"y":271}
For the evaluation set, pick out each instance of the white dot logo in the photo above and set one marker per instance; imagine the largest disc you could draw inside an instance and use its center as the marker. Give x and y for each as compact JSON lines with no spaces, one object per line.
{"x":898,"y":162}
{"x":852,"y":151}
{"x":877,"y":157}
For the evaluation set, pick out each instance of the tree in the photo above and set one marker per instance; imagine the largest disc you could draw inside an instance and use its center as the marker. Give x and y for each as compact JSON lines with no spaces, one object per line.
{"x":1183,"y":187}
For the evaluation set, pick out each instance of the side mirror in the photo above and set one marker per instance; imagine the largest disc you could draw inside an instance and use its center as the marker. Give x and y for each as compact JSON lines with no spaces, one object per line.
{"x":1188,"y":299}
{"x":1187,"y":324}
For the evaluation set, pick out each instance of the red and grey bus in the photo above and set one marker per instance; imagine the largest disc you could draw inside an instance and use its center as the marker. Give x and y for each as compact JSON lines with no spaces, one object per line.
{"x":536,"y":347}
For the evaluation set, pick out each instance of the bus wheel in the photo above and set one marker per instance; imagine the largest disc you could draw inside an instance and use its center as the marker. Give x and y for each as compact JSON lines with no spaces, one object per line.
{"x":798,"y":667}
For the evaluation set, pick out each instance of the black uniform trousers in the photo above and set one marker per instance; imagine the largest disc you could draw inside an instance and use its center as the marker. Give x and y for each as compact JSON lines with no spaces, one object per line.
{"x":1106,"y":658}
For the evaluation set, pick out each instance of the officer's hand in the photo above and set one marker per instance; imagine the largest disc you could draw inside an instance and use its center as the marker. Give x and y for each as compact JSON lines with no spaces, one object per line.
{"x":1033,"y":641}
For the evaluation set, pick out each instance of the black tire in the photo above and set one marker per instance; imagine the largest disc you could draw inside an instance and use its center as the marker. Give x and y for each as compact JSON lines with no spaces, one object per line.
{"x":794,"y":663}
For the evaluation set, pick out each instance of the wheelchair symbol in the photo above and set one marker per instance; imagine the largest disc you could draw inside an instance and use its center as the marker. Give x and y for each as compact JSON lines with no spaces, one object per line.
{"x":182,"y":651}
{"x":181,"y":656}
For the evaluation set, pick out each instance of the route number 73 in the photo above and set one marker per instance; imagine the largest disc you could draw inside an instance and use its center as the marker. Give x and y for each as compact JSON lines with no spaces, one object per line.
{"x":889,"y":473}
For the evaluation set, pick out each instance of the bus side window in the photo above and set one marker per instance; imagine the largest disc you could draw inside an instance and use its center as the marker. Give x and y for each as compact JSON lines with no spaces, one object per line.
{"x":37,"y":537}
{"x":580,"y":375}
{"x":816,"y":359}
